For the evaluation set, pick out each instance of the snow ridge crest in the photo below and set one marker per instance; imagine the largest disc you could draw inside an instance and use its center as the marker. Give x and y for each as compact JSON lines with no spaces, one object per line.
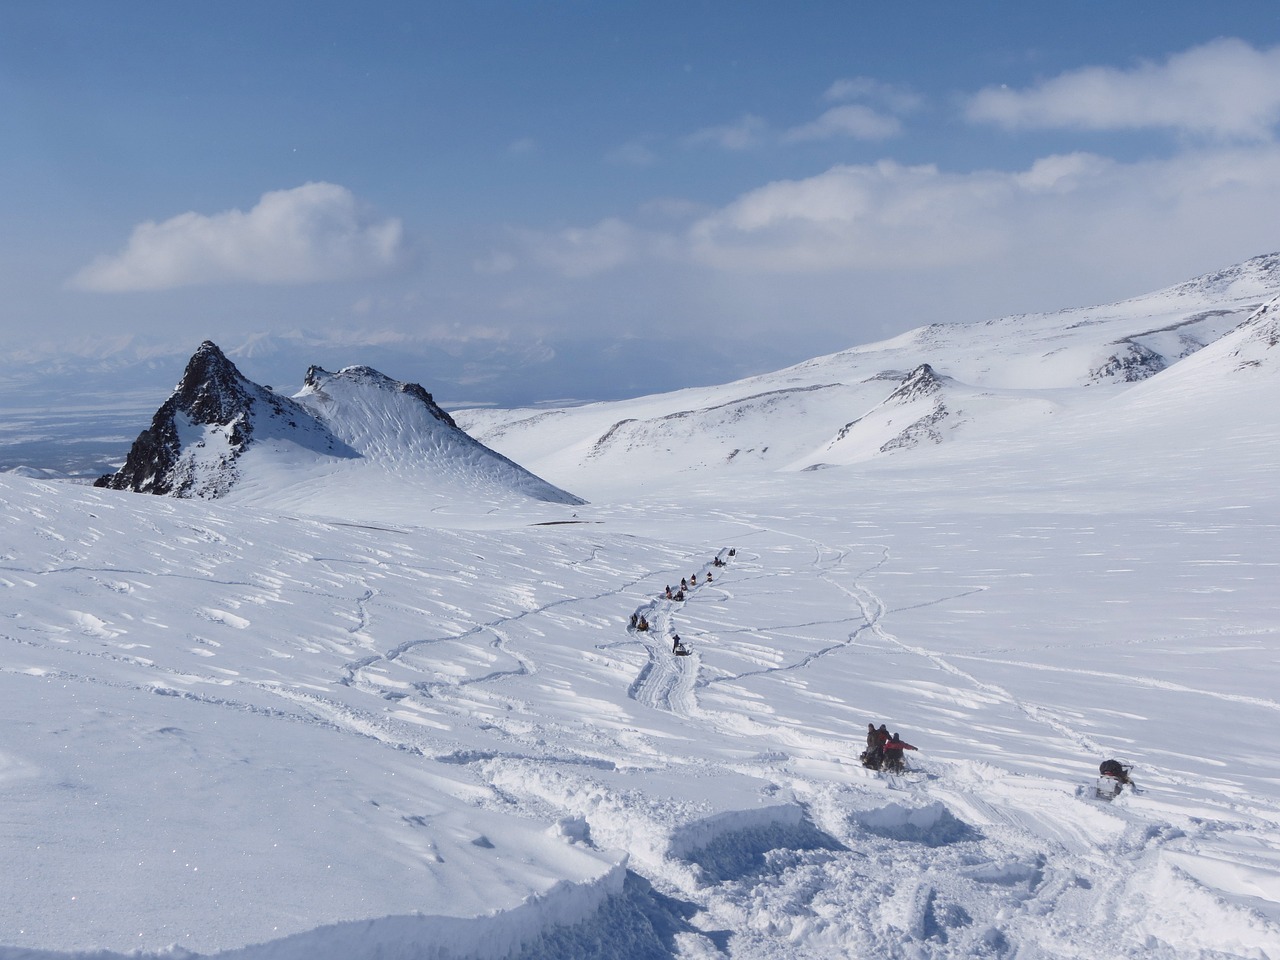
{"x":197,"y":443}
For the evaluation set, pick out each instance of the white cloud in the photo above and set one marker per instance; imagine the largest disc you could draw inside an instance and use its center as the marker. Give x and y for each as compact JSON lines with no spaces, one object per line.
{"x":850,"y":120}
{"x":748,"y":132}
{"x":892,"y":97}
{"x":1226,"y":90}
{"x":309,"y":234}
{"x":867,"y":216}
{"x":1078,"y":207}
{"x":888,"y":219}
{"x":633,"y":154}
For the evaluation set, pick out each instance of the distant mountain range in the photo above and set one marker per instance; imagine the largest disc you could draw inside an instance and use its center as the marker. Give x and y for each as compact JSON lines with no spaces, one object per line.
{"x":937,"y":384}
{"x":932,"y":385}
{"x":220,"y":435}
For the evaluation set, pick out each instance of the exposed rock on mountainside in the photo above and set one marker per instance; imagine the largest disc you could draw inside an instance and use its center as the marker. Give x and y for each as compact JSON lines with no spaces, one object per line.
{"x":219,"y":430}
{"x":1132,"y":362}
{"x":1258,"y":336}
{"x":918,"y":399}
{"x":198,"y":434}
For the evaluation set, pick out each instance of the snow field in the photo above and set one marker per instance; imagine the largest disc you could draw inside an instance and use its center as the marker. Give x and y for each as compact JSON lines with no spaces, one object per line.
{"x":333,"y":739}
{"x":326,"y":721}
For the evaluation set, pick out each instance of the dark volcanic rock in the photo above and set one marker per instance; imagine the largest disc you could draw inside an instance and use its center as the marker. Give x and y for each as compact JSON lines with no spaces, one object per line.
{"x":211,"y":412}
{"x":921,"y":382}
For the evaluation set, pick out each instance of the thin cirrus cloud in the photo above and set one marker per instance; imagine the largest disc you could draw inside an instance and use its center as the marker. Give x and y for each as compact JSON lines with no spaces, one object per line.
{"x":309,"y":234}
{"x":854,"y":120}
{"x":580,"y":252}
{"x":1223,"y":90}
{"x":749,"y":131}
{"x":866,"y":110}
{"x":891,"y":96}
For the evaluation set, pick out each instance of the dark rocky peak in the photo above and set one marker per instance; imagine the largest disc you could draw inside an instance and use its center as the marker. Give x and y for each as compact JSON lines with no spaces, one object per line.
{"x":212,"y":390}
{"x":920,"y":382}
{"x":228,"y":407}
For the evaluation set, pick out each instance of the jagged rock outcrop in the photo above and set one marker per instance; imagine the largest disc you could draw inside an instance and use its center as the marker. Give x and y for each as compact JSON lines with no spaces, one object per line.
{"x":198,"y":434}
{"x":923,"y":381}
{"x":920,"y":393}
{"x":217,"y":423}
{"x":1130,"y":363}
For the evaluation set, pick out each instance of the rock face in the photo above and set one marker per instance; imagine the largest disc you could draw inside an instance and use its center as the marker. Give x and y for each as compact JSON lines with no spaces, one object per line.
{"x":197,"y":443}
{"x":919,"y":400}
{"x":198,"y":434}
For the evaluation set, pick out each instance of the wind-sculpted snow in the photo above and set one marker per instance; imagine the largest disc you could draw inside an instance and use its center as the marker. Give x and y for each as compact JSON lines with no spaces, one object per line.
{"x":252,"y":735}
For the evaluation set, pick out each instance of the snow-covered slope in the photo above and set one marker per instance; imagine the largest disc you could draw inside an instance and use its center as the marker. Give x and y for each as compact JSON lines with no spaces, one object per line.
{"x":221,"y":436}
{"x":841,"y":408}
{"x":230,"y":729}
{"x":268,"y":738}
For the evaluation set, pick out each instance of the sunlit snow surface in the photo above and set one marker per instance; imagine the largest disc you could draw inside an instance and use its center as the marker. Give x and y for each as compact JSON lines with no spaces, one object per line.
{"x":427,"y":731}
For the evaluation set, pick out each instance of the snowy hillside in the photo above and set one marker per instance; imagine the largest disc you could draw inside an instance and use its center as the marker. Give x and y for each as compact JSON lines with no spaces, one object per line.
{"x":333,"y":725}
{"x":841,"y":408}
{"x":222,"y":436}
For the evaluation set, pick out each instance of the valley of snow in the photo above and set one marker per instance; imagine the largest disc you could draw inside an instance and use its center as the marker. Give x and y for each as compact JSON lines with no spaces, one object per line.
{"x":280,"y":727}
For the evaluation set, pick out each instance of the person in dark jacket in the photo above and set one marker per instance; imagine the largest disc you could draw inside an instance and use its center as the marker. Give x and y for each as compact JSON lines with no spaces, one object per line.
{"x":1114,"y":768}
{"x":873,"y":756}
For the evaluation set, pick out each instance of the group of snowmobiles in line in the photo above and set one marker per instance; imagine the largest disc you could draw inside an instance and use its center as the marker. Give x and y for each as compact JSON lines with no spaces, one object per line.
{"x":640,"y":623}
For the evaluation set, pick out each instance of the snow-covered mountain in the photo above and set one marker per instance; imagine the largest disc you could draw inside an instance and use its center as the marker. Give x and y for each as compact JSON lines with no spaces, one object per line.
{"x":307,"y":720}
{"x":213,"y":416}
{"x":874,"y":401}
{"x":222,"y":436}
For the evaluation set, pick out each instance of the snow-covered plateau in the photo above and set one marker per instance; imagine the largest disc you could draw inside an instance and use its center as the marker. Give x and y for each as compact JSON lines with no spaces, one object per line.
{"x":314,"y":720}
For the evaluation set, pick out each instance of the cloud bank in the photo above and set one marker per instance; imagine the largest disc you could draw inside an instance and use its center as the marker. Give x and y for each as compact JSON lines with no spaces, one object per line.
{"x":312,"y":233}
{"x":1225,"y":90}
{"x":890,"y":216}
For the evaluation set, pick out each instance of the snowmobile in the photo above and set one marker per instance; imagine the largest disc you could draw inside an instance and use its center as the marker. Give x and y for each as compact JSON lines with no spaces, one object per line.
{"x":1112,"y":778}
{"x":679,"y":649}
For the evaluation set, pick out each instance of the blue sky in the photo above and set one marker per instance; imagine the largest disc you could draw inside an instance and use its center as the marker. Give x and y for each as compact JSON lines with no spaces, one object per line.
{"x":744,"y":184}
